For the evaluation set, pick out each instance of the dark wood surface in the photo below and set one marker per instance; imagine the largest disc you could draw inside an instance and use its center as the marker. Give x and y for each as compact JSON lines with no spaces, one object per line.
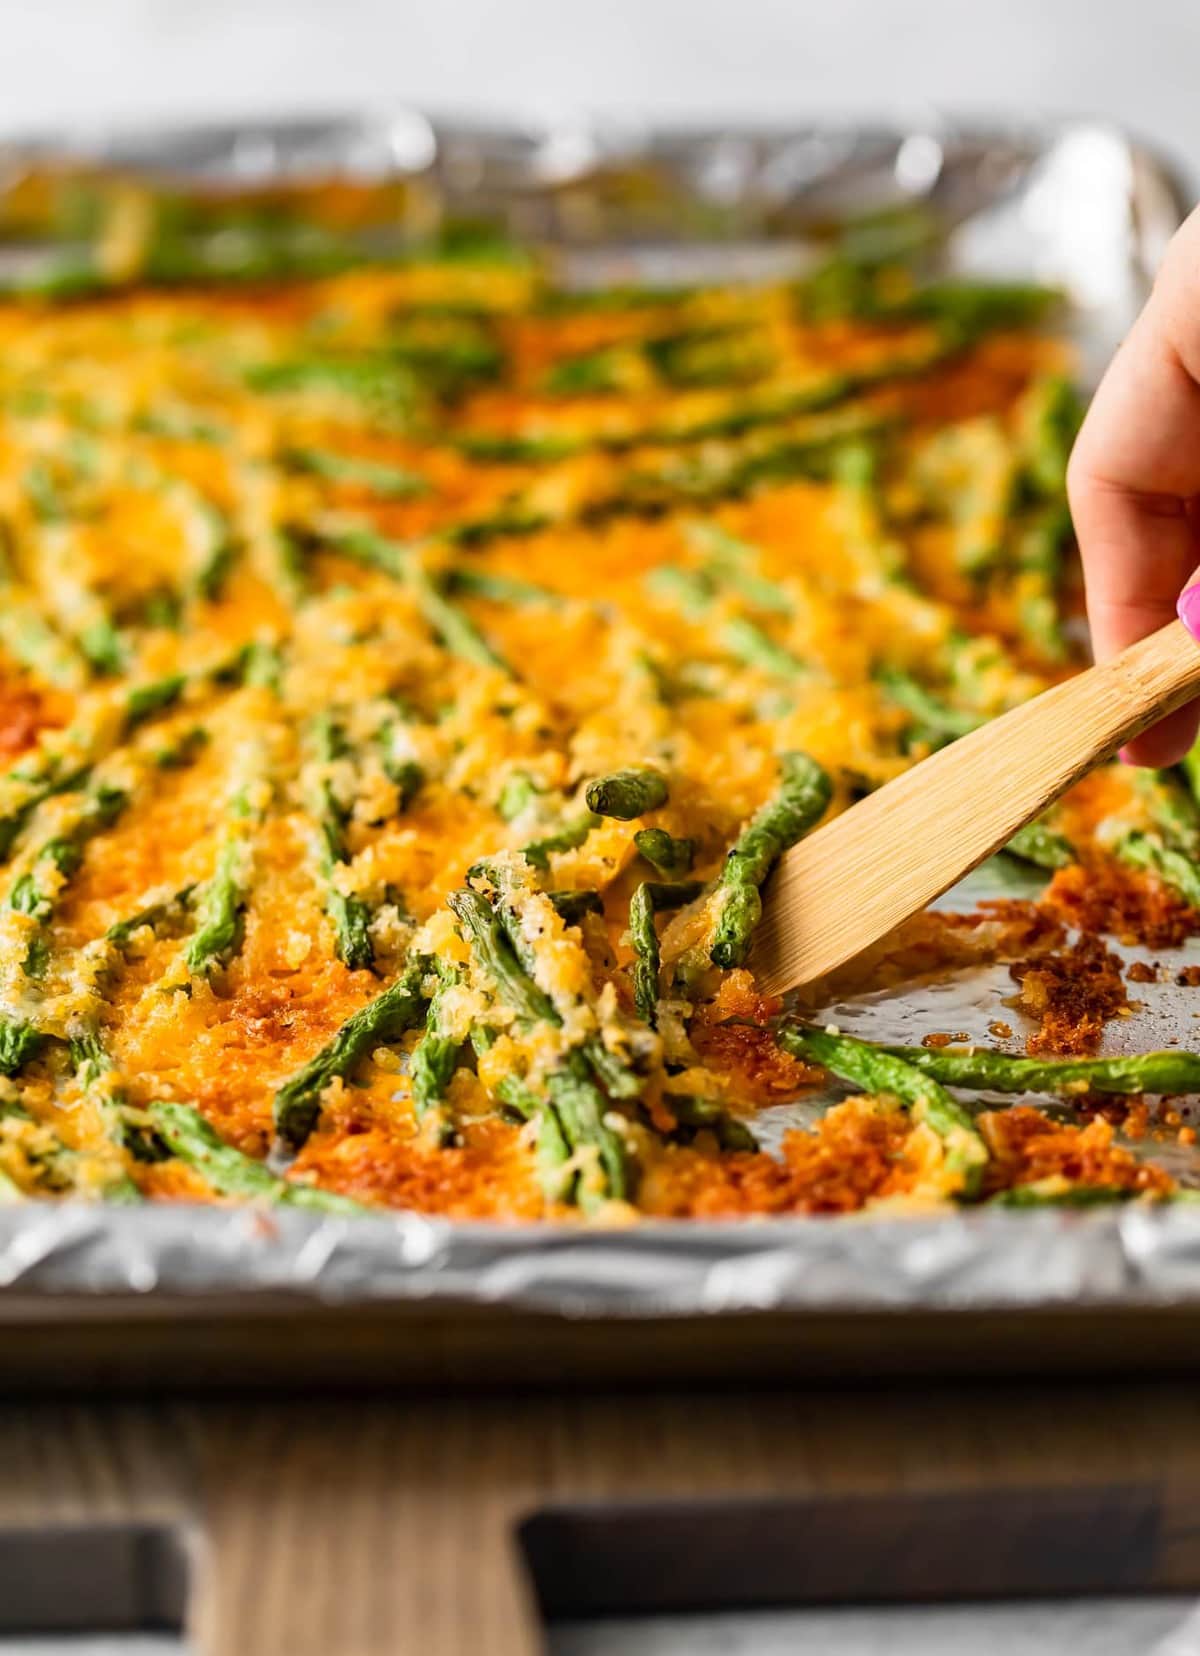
{"x":351,"y":1525}
{"x":55,"y":1345}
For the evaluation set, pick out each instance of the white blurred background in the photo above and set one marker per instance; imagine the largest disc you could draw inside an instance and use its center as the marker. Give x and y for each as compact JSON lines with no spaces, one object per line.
{"x":82,"y":60}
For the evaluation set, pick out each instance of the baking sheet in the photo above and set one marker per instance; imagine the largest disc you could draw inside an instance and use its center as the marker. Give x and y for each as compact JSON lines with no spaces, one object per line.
{"x":1078,"y":205}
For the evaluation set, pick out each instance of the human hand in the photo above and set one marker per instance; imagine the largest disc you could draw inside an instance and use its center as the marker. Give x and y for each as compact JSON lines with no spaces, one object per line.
{"x":1134,"y":484}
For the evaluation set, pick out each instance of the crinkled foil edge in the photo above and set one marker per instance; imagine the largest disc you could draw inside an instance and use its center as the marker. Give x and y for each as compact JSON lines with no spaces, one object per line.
{"x":1133,"y":1257}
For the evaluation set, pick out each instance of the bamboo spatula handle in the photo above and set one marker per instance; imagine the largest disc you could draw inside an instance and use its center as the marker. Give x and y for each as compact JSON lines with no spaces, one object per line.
{"x":848,"y":884}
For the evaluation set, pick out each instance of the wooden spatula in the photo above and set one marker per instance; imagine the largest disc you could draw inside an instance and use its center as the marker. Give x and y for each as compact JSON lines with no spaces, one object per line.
{"x":852,"y":881}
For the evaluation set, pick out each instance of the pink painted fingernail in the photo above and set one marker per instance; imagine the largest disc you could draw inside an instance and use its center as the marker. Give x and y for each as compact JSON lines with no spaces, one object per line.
{"x":1188,"y":609}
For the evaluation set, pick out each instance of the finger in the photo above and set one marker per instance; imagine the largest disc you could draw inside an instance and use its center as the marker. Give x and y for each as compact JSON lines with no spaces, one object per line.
{"x":1140,"y":434}
{"x":1142,"y":554}
{"x":1166,"y":742}
{"x":1133,"y":473}
{"x":1134,"y":476}
{"x":1139,"y":550}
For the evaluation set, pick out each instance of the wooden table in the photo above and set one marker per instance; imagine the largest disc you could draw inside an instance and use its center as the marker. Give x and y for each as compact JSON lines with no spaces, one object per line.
{"x":362,"y":1525}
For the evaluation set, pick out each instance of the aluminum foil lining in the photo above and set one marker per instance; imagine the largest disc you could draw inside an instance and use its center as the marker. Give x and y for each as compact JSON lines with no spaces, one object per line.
{"x":1076,"y":204}
{"x":981,"y":1261}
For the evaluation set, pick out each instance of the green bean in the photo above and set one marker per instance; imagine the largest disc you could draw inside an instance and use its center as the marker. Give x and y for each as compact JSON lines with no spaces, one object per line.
{"x":626,"y":794}
{"x":1146,"y":851}
{"x":1189,"y":767}
{"x":934,"y":720}
{"x":500,"y":589}
{"x":748,"y":643}
{"x":517,"y":793}
{"x":458,"y":634}
{"x":744,"y":417}
{"x":245,"y":252}
{"x":456,"y":631}
{"x":56,"y":1167}
{"x":388,"y":389}
{"x":147,"y":700}
{"x":580,"y":1104}
{"x":435,"y":1059}
{"x":979,"y":307}
{"x":405,"y":774}
{"x":350,"y":915}
{"x":171,"y":911}
{"x":61,"y":277}
{"x":878,"y":1071}
{"x":553,"y":1150}
{"x":691,"y":590}
{"x":609,"y":1069}
{"x":62,"y":854}
{"x":822,"y":395}
{"x":207,"y":531}
{"x":589,"y":374}
{"x":447,"y":364}
{"x":506,"y":521}
{"x":42,"y":491}
{"x":181,"y":749}
{"x":569,"y":837}
{"x":496,"y":448}
{"x":586,"y":301}
{"x":1147,"y":1072}
{"x":36,"y":892}
{"x":705,"y":1115}
{"x":378,"y":477}
{"x":46,"y":778}
{"x":1041,"y":845}
{"x":738,"y":636}
{"x":101,"y":643}
{"x":571,"y":906}
{"x":97,"y":1074}
{"x":665,"y":854}
{"x":969,"y":473}
{"x":1041,"y":539}
{"x":493,"y":945}
{"x":709,"y":354}
{"x":180,"y":425}
{"x":670,"y":485}
{"x":1172,"y":808}
{"x":863,"y":512}
{"x":20,"y":1044}
{"x":400,"y":1007}
{"x":289,"y":567}
{"x":1053,"y":415}
{"x":32,"y":642}
{"x":221,"y":901}
{"x":649,"y":490}
{"x":1041,"y":627}
{"x":649,"y":899}
{"x":800,"y":802}
{"x":191,"y":1138}
{"x":730,"y":561}
{"x":581,"y":1109}
{"x":1053,"y":1193}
